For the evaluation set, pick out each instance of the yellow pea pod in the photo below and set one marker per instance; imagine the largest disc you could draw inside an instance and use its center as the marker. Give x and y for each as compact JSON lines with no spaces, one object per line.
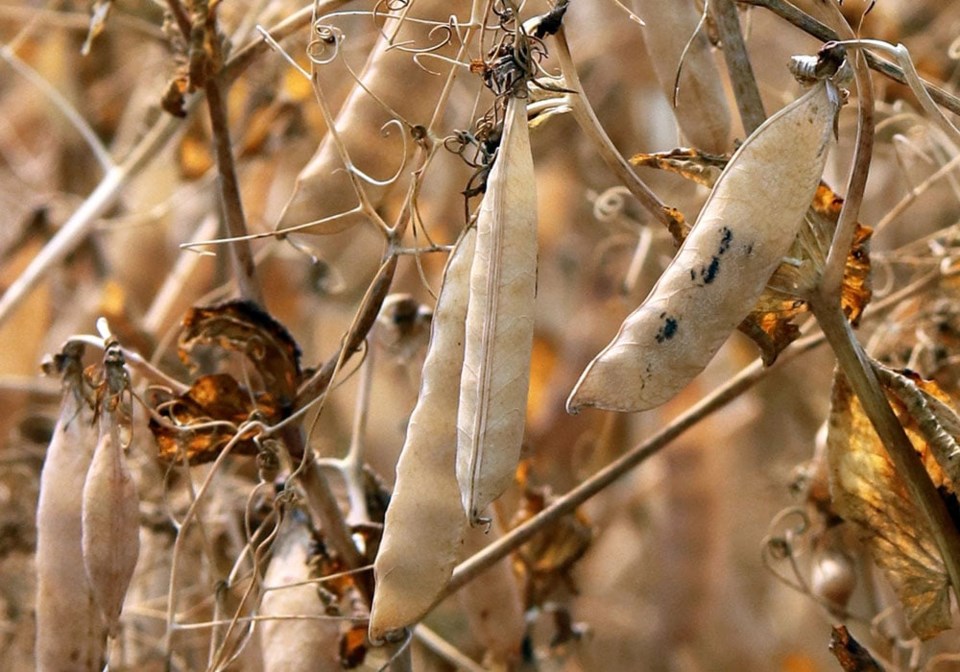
{"x":499,"y":335}
{"x":745,"y":228}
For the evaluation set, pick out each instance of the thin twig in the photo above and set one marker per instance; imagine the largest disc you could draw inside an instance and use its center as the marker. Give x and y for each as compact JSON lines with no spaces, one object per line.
{"x":832,"y":279}
{"x":323,"y":503}
{"x":587,"y":119}
{"x":364,"y":321}
{"x":445,"y":650}
{"x":477,"y":564}
{"x":241,"y":255}
{"x":172,"y":290}
{"x":244,"y":56}
{"x":813,"y":27}
{"x":738,"y":65}
{"x":61,"y":103}
{"x":82,"y":221}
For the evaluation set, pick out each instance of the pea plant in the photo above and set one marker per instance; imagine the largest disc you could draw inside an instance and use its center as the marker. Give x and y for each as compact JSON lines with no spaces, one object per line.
{"x":481,"y":335}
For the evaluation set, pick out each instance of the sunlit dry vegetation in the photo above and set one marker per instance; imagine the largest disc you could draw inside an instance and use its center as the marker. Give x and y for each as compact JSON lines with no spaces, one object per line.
{"x":431,"y":335}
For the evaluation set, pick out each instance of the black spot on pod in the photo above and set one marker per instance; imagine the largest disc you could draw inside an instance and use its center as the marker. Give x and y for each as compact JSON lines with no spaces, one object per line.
{"x":726,"y":237}
{"x":709,"y":273}
{"x":668,"y":329}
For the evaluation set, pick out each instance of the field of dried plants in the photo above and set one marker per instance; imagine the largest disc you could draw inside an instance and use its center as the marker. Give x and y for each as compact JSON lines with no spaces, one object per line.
{"x":430,"y":335}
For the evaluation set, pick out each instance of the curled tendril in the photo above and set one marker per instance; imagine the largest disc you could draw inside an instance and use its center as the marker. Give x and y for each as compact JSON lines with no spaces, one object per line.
{"x":446,"y":38}
{"x":780,"y":547}
{"x":384,"y":131}
{"x":386,"y":7}
{"x":611,"y":204}
{"x":325,"y":46}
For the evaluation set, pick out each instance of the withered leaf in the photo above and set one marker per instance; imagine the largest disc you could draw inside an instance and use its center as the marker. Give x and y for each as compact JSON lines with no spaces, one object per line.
{"x":547,"y":559}
{"x":867,"y":490}
{"x":771,"y":324}
{"x":937,"y":421}
{"x":691,"y":164}
{"x":242,"y":326}
{"x":849,"y":653}
{"x":353,"y":646}
{"x":187,"y":432}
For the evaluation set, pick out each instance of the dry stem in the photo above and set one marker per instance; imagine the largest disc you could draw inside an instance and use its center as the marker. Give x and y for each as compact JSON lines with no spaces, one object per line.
{"x":813,"y":27}
{"x":590,"y":125}
{"x":738,"y":65}
{"x":567,"y":504}
{"x":852,"y":360}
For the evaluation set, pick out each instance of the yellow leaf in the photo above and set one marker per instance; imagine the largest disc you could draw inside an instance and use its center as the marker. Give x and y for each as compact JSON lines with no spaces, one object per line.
{"x":867,"y":490}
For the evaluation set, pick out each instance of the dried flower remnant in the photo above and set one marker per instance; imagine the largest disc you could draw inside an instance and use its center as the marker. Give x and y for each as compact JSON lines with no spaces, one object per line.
{"x":545,"y":562}
{"x":850,"y":653}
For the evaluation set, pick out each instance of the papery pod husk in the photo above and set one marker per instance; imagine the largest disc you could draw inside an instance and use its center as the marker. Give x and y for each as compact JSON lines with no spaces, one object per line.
{"x":500,"y":320}
{"x":111,"y":523}
{"x":701,"y":109}
{"x":771,"y":324}
{"x":493,"y":602}
{"x":299,"y":644}
{"x":70,"y":632}
{"x":747,"y":225}
{"x":323,"y":188}
{"x":423,"y":532}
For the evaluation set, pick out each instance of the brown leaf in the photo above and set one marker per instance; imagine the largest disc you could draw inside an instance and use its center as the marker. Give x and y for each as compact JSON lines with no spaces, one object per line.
{"x":548,"y":558}
{"x":867,"y":491}
{"x":241,"y":326}
{"x":771,"y":324}
{"x":185,"y":428}
{"x":353,"y":646}
{"x":213,"y":397}
{"x":691,"y":164}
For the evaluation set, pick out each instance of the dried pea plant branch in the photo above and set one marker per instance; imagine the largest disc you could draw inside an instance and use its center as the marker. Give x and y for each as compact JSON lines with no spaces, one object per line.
{"x":605,"y":477}
{"x":810,"y":25}
{"x":206,"y":56}
{"x":82,"y":222}
{"x":853,"y":361}
{"x":593,"y":129}
{"x":745,"y":89}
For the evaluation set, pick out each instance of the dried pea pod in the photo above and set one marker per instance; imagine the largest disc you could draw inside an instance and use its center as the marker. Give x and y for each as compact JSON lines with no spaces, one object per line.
{"x":111,"y":507}
{"x":423,"y":530}
{"x":70,"y":635}
{"x":745,"y":228}
{"x":296,"y":632}
{"x":681,"y":57}
{"x":499,"y":335}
